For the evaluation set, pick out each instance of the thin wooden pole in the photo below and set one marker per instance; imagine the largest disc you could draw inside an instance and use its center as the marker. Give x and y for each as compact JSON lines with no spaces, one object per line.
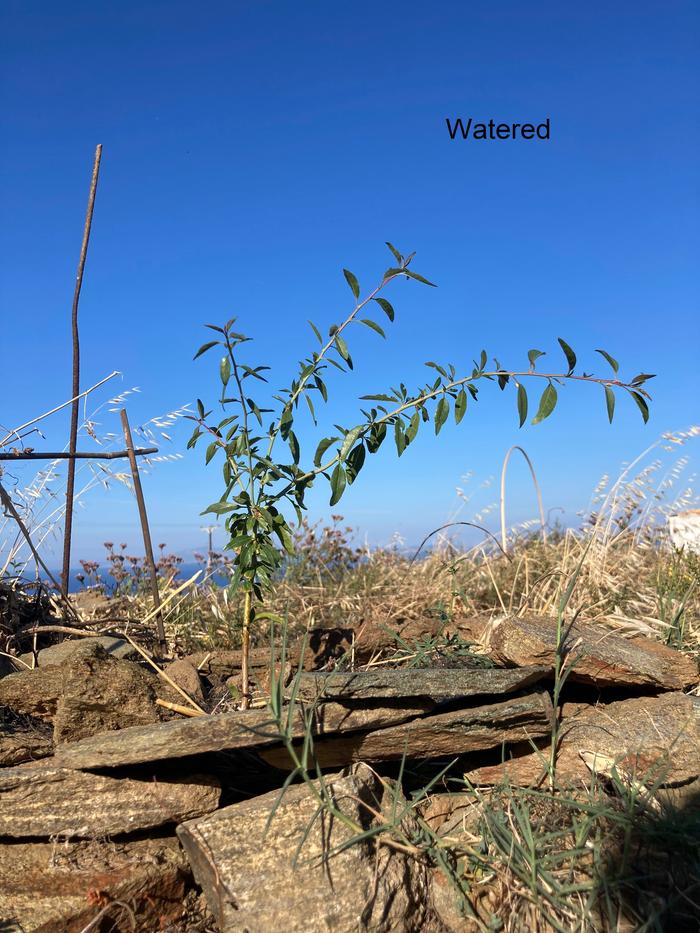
{"x":75,"y":409}
{"x":77,"y":455}
{"x":148,"y":546}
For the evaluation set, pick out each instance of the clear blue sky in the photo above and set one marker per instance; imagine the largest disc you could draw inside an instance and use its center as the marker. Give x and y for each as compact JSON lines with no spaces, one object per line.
{"x":253,"y":149}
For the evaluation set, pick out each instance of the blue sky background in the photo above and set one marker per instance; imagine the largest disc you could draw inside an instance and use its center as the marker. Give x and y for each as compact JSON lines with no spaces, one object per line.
{"x":253,"y":149}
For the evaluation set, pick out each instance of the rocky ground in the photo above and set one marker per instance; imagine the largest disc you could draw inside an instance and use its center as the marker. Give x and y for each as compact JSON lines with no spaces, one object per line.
{"x":135,"y":796}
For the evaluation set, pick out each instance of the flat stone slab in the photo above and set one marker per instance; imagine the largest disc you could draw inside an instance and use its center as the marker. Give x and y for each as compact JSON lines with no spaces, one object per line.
{"x":650,"y":739}
{"x":246,"y":729}
{"x":437,"y":684}
{"x":47,"y":801}
{"x":599,"y":656}
{"x":516,"y":719}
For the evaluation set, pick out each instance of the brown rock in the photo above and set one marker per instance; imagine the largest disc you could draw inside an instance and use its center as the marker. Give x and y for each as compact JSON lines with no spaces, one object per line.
{"x":648,"y":739}
{"x":46,"y":801}
{"x":101,"y":694}
{"x":51,"y":888}
{"x":23,"y":738}
{"x":33,"y":693}
{"x":439,"y":684}
{"x":252,"y":880}
{"x":599,"y":656}
{"x":454,"y":733}
{"x":227,"y":732}
{"x":185,"y":675}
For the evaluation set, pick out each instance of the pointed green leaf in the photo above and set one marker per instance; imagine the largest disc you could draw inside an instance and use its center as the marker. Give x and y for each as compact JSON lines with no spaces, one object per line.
{"x":338,"y":481}
{"x":386,"y":307}
{"x":412,"y":429}
{"x":376,"y":437}
{"x":522,"y":404}
{"x":569,"y":354}
{"x":374,"y":326}
{"x":610,"y":402}
{"x":294,"y":446}
{"x":205,"y":347}
{"x":547,"y":404}
{"x":533,"y":356}
{"x":460,"y":406}
{"x":396,"y":254}
{"x":641,"y":378}
{"x":640,"y":401}
{"x":316,"y":331}
{"x":343,"y":349}
{"x":354,"y":462}
{"x":225,"y":369}
{"x":441,"y":412}
{"x":399,"y":436}
{"x":349,"y":440}
{"x":419,"y":278}
{"x":322,"y":448}
{"x":352,"y":282}
{"x":613,"y":362}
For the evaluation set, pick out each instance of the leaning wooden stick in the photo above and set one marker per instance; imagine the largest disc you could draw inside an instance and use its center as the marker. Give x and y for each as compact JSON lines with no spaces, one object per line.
{"x":70,"y":485}
{"x":148,"y":546}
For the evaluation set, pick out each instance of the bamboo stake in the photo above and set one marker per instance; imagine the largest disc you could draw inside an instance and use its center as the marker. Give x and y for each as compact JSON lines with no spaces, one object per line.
{"x":148,"y":546}
{"x":75,"y":408}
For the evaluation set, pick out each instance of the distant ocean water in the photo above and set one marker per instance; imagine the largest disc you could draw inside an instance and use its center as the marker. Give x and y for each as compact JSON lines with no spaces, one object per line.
{"x":185,"y":571}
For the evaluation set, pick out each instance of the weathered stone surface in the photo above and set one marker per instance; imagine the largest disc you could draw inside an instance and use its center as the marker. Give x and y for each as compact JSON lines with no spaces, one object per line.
{"x":117,"y":648}
{"x":44,"y":801}
{"x":440,"y":684}
{"x":600,"y":656}
{"x":32,"y":693}
{"x":100,"y":694}
{"x":23,"y":738}
{"x":88,"y":693}
{"x":454,"y":733}
{"x":653,"y":739}
{"x":61,"y":888}
{"x":249,"y":729}
{"x":252,"y":881}
{"x":185,"y":675}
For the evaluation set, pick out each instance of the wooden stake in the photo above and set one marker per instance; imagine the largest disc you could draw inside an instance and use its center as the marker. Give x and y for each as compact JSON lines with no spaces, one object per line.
{"x":148,"y":546}
{"x":70,"y":485}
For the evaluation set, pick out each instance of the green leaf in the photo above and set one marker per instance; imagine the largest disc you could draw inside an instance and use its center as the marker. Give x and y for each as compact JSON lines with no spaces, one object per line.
{"x":399,"y":436}
{"x":441,"y":413}
{"x":374,"y":326}
{"x":610,"y":402}
{"x":569,"y":354}
{"x":211,"y":450}
{"x":396,"y":254}
{"x":419,"y":278}
{"x":219,"y":508}
{"x":354,"y":462}
{"x":613,"y":362}
{"x":547,"y":404}
{"x":376,"y":437}
{"x":641,"y":378}
{"x":338,"y":481}
{"x":352,"y":282}
{"x":534,"y":355}
{"x":349,"y":440}
{"x":522,"y":404}
{"x":343,"y":349}
{"x":316,"y":331}
{"x":322,"y":448}
{"x":294,"y":446}
{"x":225,"y":369}
{"x":460,"y":406}
{"x":412,"y":429}
{"x":386,"y":307}
{"x":641,"y":405}
{"x":205,"y":347}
